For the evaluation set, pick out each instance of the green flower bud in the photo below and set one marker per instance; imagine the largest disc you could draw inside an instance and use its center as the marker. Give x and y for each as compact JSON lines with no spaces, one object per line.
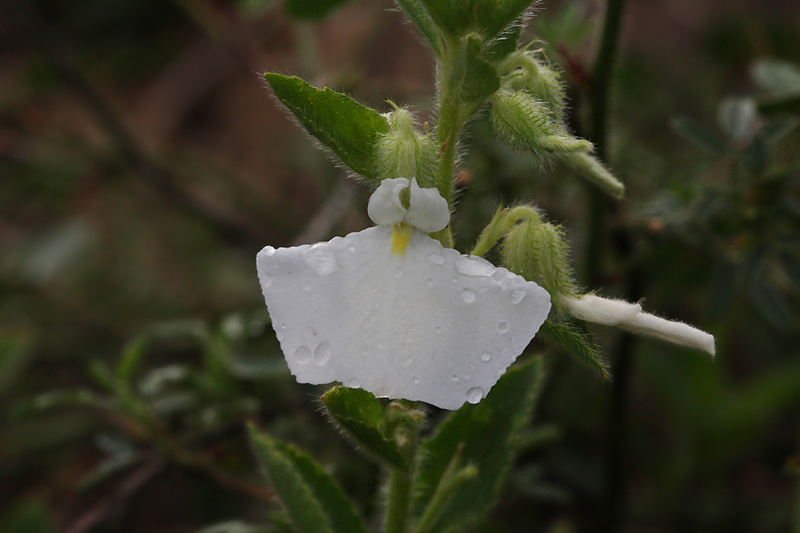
{"x":404,"y":152}
{"x":538,"y":252}
{"x":523,"y":71}
{"x":525,"y":123}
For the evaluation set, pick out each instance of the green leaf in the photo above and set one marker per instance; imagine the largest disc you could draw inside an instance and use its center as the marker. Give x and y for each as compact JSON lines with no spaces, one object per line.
{"x":361,"y":415}
{"x":488,"y":434}
{"x":486,"y":17}
{"x":313,"y":499}
{"x":776,"y":105}
{"x":698,"y":135}
{"x":312,"y":9}
{"x":779,"y":77}
{"x":348,"y":128}
{"x":131,"y":357}
{"x":57,"y":400}
{"x":419,"y":16}
{"x":505,"y":43}
{"x":777,"y":129}
{"x":577,"y":342}
{"x":475,"y":79}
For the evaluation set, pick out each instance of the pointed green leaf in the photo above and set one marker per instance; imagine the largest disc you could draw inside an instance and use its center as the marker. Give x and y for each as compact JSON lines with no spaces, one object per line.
{"x":487,"y":17}
{"x":311,"y":9}
{"x":698,"y":135}
{"x":576,"y":342}
{"x":348,"y":128}
{"x":505,"y":43}
{"x":314,"y":500}
{"x":476,"y":79}
{"x":360,"y":414}
{"x":419,"y":16}
{"x":490,"y":433}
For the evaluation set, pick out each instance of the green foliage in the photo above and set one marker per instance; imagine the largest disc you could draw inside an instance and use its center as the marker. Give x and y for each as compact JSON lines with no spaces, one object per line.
{"x":698,"y":135}
{"x":593,"y":170}
{"x":348,"y":128}
{"x":312,"y":9}
{"x":577,"y":341}
{"x":486,"y":17}
{"x":474,"y":78}
{"x":313,"y":499}
{"x":485,"y":435}
{"x":360,"y":414}
{"x":405,"y":152}
{"x":418,"y":14}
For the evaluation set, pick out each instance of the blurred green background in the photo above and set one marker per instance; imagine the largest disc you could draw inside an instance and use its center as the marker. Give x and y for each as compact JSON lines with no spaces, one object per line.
{"x":143,"y":164}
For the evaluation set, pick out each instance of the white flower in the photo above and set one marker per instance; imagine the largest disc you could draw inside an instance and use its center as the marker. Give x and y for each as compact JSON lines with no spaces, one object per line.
{"x":389,"y":309}
{"x":630,"y":317}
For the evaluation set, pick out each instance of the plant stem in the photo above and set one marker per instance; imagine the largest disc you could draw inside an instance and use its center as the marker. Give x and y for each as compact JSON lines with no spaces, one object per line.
{"x":598,"y":101}
{"x":399,"y":501}
{"x":402,"y":424}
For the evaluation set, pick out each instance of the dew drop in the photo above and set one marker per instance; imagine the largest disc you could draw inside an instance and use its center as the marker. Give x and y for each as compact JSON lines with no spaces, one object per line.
{"x":398,"y":272}
{"x":454,"y":280}
{"x":436,"y":259}
{"x":323,"y":353}
{"x":438,"y":329}
{"x":468,"y":296}
{"x":497,"y":276}
{"x":308,"y":331}
{"x":351,"y":247}
{"x":302,"y":355}
{"x":415,"y":379}
{"x":517,"y":295}
{"x":502,"y":326}
{"x":454,"y":377}
{"x":320,"y":259}
{"x":486,"y":357}
{"x":474,"y":266}
{"x":429,"y":283}
{"x":353,"y":383}
{"x":474,"y":395}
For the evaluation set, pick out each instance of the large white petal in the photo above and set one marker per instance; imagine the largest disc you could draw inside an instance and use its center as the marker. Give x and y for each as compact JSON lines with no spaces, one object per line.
{"x":431,"y":325}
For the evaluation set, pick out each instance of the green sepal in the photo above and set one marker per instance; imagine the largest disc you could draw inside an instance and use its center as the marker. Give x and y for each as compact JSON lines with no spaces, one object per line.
{"x":474,"y":78}
{"x":577,"y":341}
{"x":348,"y":128}
{"x":593,"y":170}
{"x":314,"y":500}
{"x":311,"y":9}
{"x":486,"y":17}
{"x":488,"y":434}
{"x":420,"y":17}
{"x":505,"y":43}
{"x":360,"y":415}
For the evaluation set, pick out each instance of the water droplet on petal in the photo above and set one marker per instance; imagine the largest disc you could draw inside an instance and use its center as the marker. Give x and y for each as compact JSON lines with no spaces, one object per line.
{"x":502,"y":326}
{"x":468,"y":296}
{"x":454,"y":377}
{"x":497,"y":276}
{"x":438,"y":329}
{"x":320,"y":259}
{"x":308,"y":331}
{"x":486,"y":357}
{"x":454,"y":280}
{"x":474,"y":395}
{"x":302,"y":355}
{"x":353,"y":383}
{"x":398,"y":272}
{"x":474,"y":266}
{"x":323,"y":353}
{"x":517,"y":295}
{"x":351,"y":247}
{"x":436,"y":259}
{"x":415,"y":379}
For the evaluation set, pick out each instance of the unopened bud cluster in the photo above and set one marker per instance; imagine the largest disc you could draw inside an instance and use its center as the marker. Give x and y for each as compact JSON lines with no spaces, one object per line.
{"x":405,"y":152}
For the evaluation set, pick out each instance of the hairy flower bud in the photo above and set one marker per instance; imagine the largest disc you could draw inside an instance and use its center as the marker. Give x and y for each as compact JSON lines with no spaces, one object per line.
{"x":523,"y":71}
{"x":404,"y":152}
{"x":538,"y":252}
{"x":525,"y":123}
